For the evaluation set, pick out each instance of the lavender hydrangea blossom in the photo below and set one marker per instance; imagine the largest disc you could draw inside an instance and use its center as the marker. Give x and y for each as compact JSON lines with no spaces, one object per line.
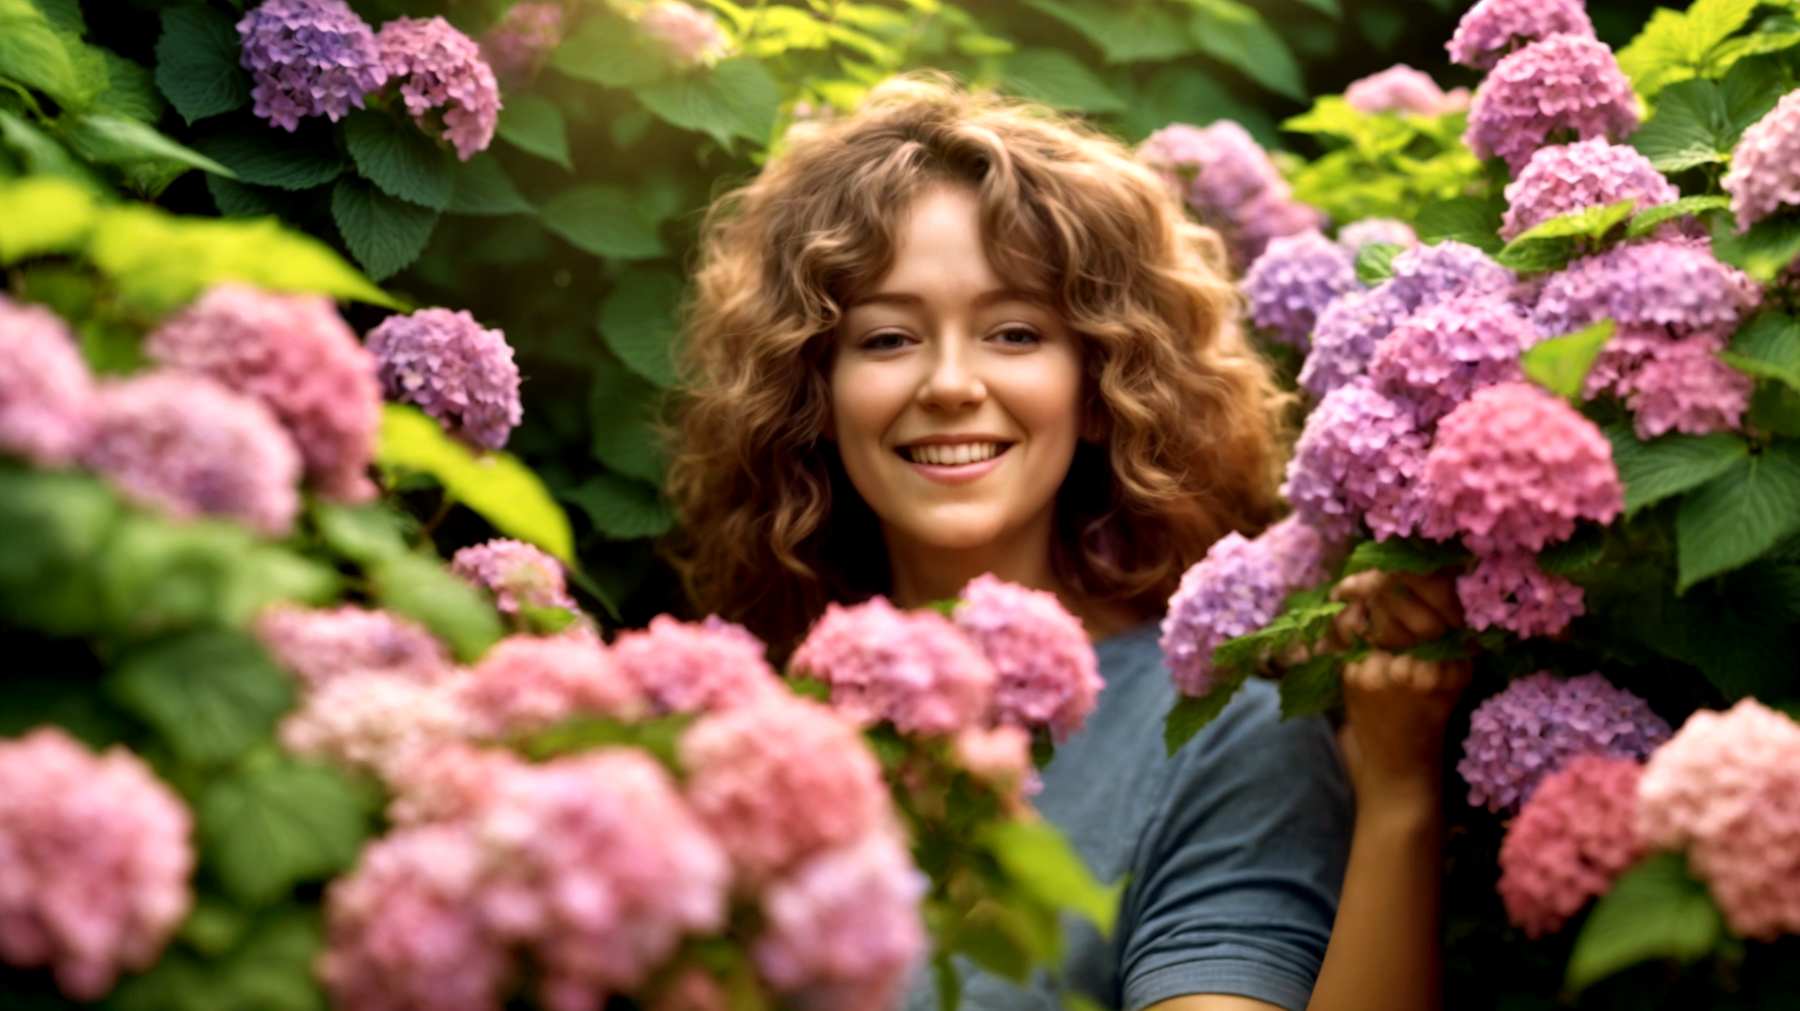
{"x":1561,"y":85}
{"x":1492,"y":28}
{"x":1672,"y":384}
{"x":1295,"y":279}
{"x":438,"y":67}
{"x":1510,"y":590}
{"x":1676,"y":285}
{"x":1434,"y":359}
{"x":1537,"y":723}
{"x":1359,"y":457}
{"x":456,"y":371}
{"x":1567,"y":178}
{"x":1425,"y":275}
{"x":46,"y":393}
{"x":523,"y":37}
{"x":1402,"y":89}
{"x":689,"y":35}
{"x":308,"y":58}
{"x":1230,"y":183}
{"x":1765,"y":165}
{"x":517,"y":573}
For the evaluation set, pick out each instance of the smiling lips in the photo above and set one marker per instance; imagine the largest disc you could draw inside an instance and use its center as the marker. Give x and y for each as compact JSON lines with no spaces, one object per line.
{"x":960,"y":454}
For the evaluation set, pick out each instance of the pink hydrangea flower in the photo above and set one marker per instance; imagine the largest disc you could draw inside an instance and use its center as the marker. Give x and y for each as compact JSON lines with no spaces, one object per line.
{"x":1046,"y":671}
{"x":1566,"y":178}
{"x":1672,"y":384}
{"x":1515,"y":468}
{"x":691,"y":36}
{"x":307,"y":58}
{"x":1493,"y":28}
{"x":683,"y":668}
{"x":187,"y":445}
{"x":1428,"y":274}
{"x":523,"y":37}
{"x":377,"y":723}
{"x":844,"y":928}
{"x":454,"y":781}
{"x":999,"y":756}
{"x":1434,"y":359}
{"x":457,"y":372}
{"x":517,"y":573}
{"x":1673,"y":284}
{"x":1510,"y":590}
{"x":1570,"y":842}
{"x":297,"y":355}
{"x":1236,"y":589}
{"x":1294,"y":279}
{"x":95,"y":861}
{"x":692,"y":990}
{"x":526,"y":683}
{"x":319,"y":646}
{"x":1359,"y":457}
{"x":1539,"y":722}
{"x":1402,"y":89}
{"x":780,"y":780}
{"x":438,"y":67}
{"x":1560,"y":85}
{"x":1230,"y":183}
{"x":47,"y":397}
{"x":1765,"y":165}
{"x":913,"y":669}
{"x":1727,"y":788}
{"x":1388,"y":231}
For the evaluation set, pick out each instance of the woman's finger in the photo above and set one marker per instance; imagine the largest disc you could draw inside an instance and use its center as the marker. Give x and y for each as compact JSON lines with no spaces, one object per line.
{"x":1423,"y":622}
{"x":1437,"y":593}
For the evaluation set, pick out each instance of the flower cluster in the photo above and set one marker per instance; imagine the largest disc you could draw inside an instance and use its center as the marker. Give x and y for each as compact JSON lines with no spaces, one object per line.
{"x":295,"y":354}
{"x":1538,"y":723}
{"x":689,"y":35}
{"x":1436,"y":358}
{"x":523,"y":37}
{"x":1237,"y":588}
{"x":1765,"y":165}
{"x":1046,"y":674}
{"x":437,"y":67}
{"x":320,"y":646}
{"x":1357,"y":234}
{"x":1295,"y":278}
{"x":526,"y":683}
{"x":1493,"y":28}
{"x":95,"y":861}
{"x":46,"y":394}
{"x":456,"y":371}
{"x":1672,"y":385}
{"x":1727,"y":789}
{"x":914,"y":669}
{"x":308,"y":58}
{"x":1359,"y":457}
{"x":1567,"y":178}
{"x":1571,"y":840}
{"x":1510,"y":590}
{"x":1229,"y":181}
{"x":1563,"y":84}
{"x":1402,"y":89}
{"x":517,"y":573}
{"x":684,"y":668}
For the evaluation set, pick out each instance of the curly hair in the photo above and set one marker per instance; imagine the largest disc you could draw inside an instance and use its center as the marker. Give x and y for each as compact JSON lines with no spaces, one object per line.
{"x":1184,"y":414}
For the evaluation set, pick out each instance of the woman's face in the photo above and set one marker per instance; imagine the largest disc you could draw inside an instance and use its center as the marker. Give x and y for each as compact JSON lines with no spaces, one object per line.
{"x":956,"y":403}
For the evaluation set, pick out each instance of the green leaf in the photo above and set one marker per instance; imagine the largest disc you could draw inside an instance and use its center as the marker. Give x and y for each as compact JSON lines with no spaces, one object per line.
{"x":384,"y":233}
{"x":130,"y":90}
{"x":1575,"y":554}
{"x":1404,"y":554}
{"x":622,"y":509}
{"x":236,"y":200}
{"x":268,"y":157}
{"x":1537,"y":256}
{"x":1141,"y":33}
{"x":1314,"y":686}
{"x":1751,"y":89}
{"x":1647,"y":220}
{"x":1472,"y":220}
{"x":1775,"y":408}
{"x":278,"y":822}
{"x":197,"y":62}
{"x":53,"y":528}
{"x":115,"y":140}
{"x":608,"y":51}
{"x":1181,"y":94}
{"x":156,"y":575}
{"x":366,"y":534}
{"x":1042,"y":864}
{"x":1191,"y":713}
{"x":534,"y":125}
{"x":1768,"y":347}
{"x":212,"y":694}
{"x":1005,"y":940}
{"x":622,"y":410}
{"x":34,"y":54}
{"x":1690,"y":128}
{"x":638,"y":322}
{"x":43,"y":214}
{"x":1667,"y":466}
{"x":1654,"y":910}
{"x":419,"y":587}
{"x":1237,"y":36}
{"x":42,"y":155}
{"x":1739,"y":515}
{"x":400,"y":159}
{"x":1561,"y":364}
{"x":1710,"y":22}
{"x":737,"y":98}
{"x":496,"y":485}
{"x":1375,"y":262}
{"x":1059,"y":80}
{"x":1764,"y":251}
{"x":482,"y":188}
{"x":1587,"y":223}
{"x":605,"y":221}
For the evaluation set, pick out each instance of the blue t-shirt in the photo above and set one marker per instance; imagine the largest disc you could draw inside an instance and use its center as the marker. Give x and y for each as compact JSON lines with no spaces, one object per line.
{"x":1235,"y":848}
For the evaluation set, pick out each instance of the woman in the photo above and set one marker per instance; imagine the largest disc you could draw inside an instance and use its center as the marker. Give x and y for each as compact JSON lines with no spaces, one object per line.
{"x":948,"y":336}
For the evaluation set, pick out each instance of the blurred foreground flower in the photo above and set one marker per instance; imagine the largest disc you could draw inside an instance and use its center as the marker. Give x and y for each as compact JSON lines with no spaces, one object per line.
{"x":47,"y":399}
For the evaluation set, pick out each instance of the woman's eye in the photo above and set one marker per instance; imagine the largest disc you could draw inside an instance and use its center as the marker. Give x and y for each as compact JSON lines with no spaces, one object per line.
{"x":1018,"y":336}
{"x":887,"y":341}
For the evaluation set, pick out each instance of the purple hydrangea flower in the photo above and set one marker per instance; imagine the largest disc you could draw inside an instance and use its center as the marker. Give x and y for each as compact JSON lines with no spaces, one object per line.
{"x":438,"y":67}
{"x":1402,"y":89}
{"x":1435,"y":358}
{"x":1357,"y":234}
{"x":1293,"y":280}
{"x":1493,"y":28}
{"x":46,"y":394}
{"x":1236,"y":589}
{"x":1426,"y":275}
{"x":1765,"y":165}
{"x":1537,"y":723}
{"x":308,"y":58}
{"x":1046,"y":673}
{"x":517,"y":573}
{"x":1572,"y":177}
{"x":1359,"y":457}
{"x":1510,"y":590}
{"x":1230,"y":183}
{"x":1565,"y":84}
{"x":1344,"y":337}
{"x":190,"y":446}
{"x":689,"y":35}
{"x":523,"y":37}
{"x":1672,"y":384}
{"x":457,"y":372}
{"x":1676,"y":284}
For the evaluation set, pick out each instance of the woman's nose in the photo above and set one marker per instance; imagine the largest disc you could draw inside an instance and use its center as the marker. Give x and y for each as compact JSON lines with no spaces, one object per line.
{"x":952,"y":384}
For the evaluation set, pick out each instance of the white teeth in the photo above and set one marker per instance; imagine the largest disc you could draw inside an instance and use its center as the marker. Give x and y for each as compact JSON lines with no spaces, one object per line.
{"x":958,"y":455}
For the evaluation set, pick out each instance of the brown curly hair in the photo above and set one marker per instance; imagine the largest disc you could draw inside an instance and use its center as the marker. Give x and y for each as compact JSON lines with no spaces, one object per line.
{"x":1183,"y":413}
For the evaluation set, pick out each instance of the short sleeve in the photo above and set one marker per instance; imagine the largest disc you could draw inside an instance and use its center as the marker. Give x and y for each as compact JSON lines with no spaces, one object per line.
{"x":1236,"y":880}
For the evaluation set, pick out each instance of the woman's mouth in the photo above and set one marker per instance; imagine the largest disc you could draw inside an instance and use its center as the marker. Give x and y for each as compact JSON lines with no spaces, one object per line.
{"x":960,"y":454}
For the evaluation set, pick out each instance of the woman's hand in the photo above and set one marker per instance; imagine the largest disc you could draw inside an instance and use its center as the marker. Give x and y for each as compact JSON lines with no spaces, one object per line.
{"x":1396,"y":708}
{"x":1395,"y":610}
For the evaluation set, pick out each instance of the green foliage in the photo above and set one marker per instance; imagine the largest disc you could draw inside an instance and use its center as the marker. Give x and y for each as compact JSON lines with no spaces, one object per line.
{"x":1654,"y":910}
{"x":197,"y":62}
{"x":1375,"y":262}
{"x":1404,"y":554}
{"x":275,"y":822}
{"x":43,"y":214}
{"x":1040,"y":861}
{"x":1646,"y":221}
{"x":1739,"y":515}
{"x":384,"y":233}
{"x":1552,"y":244}
{"x":606,"y":221}
{"x":1473,"y":220}
{"x":1191,"y":713}
{"x":1678,"y":46}
{"x":1381,"y":165}
{"x":1763,"y":251}
{"x":211,"y":693}
{"x":399,"y":160}
{"x":1304,"y":620}
{"x":1314,"y":686}
{"x":535,"y":125}
{"x":1768,"y":347}
{"x":1669,"y":465}
{"x":1561,"y":364}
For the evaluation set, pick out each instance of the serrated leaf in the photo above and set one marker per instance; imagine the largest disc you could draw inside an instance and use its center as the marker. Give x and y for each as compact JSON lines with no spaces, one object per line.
{"x":1768,"y":347}
{"x":736,"y":98}
{"x":43,"y":214}
{"x":1646,"y":221}
{"x":1404,"y":554}
{"x":1561,"y":364}
{"x":1764,"y":251}
{"x":1375,"y":262}
{"x":1690,"y":128}
{"x":236,"y":200}
{"x":35,"y":54}
{"x":1667,"y":466}
{"x":1059,"y":80}
{"x":420,"y":587}
{"x":1587,"y":223}
{"x":1471,"y":220}
{"x":277,"y":823}
{"x":211,"y":694}
{"x":534,"y":125}
{"x":1313,"y":686}
{"x":1142,"y":33}
{"x":1751,"y":88}
{"x":605,"y":221}
{"x":115,"y":140}
{"x":400,"y":159}
{"x":622,"y":411}
{"x":1738,"y":515}
{"x":622,"y":509}
{"x":266,"y":157}
{"x":609,"y":51}
{"x":1040,"y":862}
{"x":482,"y":188}
{"x":130,"y":90}
{"x":1191,"y":714}
{"x":1654,"y":910}
{"x":197,"y":62}
{"x":1237,"y":36}
{"x":637,"y":321}
{"x":384,"y":233}
{"x":1537,"y":255}
{"x":1575,"y":554}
